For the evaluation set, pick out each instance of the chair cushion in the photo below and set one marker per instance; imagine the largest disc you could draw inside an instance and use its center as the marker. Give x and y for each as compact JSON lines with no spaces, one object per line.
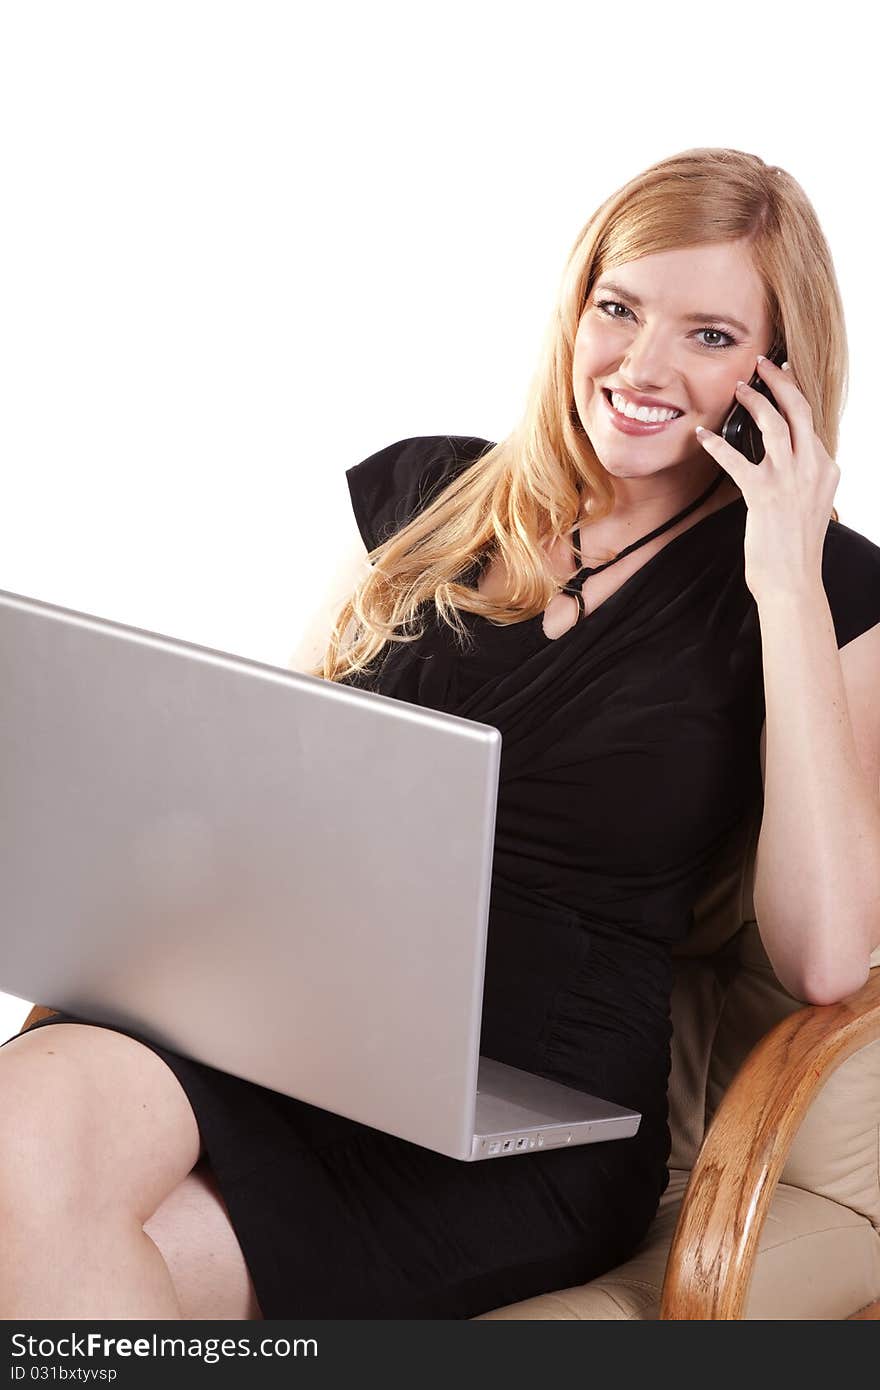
{"x":816,"y":1260}
{"x":835,"y":1151}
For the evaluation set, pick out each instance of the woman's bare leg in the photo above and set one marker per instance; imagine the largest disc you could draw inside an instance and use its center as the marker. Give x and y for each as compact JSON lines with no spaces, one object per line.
{"x":97,"y":1132}
{"x":198,"y":1244}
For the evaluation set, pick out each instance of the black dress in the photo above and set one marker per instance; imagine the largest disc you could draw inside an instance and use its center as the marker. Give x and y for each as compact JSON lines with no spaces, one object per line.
{"x":630,"y":752}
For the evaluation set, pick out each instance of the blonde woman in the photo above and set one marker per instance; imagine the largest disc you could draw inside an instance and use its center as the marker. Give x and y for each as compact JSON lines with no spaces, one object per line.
{"x":668,"y":636}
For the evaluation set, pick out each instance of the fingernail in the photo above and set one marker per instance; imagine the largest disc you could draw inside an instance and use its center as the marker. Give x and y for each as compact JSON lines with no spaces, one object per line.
{"x":786,"y":367}
{"x":761,"y":358}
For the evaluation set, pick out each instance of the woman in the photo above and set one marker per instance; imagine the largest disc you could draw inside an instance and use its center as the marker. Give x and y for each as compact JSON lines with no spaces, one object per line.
{"x":703,"y":593}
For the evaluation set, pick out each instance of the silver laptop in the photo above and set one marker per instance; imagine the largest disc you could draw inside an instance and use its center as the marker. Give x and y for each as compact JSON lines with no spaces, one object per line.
{"x":280,"y":876}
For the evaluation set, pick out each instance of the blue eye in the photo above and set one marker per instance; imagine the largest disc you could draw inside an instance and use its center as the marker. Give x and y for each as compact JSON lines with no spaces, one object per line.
{"x":605,"y":304}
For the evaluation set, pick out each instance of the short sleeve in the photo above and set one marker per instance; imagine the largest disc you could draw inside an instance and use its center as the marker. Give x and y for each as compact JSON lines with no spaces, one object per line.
{"x":851,"y":577}
{"x":391,"y":486}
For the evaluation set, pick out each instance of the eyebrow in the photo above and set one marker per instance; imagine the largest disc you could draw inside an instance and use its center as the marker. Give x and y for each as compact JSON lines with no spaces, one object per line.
{"x":686,"y":318}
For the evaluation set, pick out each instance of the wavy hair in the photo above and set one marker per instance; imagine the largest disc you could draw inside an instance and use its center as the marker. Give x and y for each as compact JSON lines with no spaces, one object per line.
{"x":529,"y":489}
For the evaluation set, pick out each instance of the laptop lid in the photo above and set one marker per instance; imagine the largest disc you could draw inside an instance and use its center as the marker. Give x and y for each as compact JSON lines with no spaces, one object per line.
{"x":282,"y":877}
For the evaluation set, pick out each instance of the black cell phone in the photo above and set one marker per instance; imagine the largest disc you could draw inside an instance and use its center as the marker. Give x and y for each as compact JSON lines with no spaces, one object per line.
{"x":740,"y":429}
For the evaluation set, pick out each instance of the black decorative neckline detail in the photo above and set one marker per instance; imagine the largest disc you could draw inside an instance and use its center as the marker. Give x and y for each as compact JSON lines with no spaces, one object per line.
{"x":573,"y":587}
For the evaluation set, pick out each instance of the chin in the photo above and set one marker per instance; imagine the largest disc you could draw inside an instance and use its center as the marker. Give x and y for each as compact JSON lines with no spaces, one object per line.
{"x":626,"y":460}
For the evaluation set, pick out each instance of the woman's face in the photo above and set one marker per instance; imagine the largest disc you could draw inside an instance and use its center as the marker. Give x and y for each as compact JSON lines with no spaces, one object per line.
{"x":681,"y":326}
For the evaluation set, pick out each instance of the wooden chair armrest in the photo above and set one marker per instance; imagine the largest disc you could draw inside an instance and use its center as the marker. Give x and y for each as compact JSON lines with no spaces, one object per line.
{"x":37,"y":1012}
{"x":711,"y":1259}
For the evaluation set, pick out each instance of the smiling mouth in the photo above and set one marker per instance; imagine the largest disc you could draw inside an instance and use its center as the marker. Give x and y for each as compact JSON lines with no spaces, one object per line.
{"x":606,"y":392}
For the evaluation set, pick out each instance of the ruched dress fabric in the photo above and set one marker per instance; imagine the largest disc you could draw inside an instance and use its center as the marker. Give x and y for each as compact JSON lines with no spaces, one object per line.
{"x":630,"y":752}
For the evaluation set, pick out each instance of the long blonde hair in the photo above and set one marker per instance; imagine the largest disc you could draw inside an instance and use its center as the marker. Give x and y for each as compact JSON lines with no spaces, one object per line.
{"x":533,"y":485}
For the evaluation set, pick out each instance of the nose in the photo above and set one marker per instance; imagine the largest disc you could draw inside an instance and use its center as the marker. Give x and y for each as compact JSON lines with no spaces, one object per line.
{"x":645,"y":364}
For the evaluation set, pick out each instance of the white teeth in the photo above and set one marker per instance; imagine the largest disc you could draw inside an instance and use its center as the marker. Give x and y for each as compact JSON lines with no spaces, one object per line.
{"x":642,"y":412}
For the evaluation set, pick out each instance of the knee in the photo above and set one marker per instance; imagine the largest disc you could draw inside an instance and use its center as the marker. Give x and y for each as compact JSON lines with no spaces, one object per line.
{"x":48,"y":1143}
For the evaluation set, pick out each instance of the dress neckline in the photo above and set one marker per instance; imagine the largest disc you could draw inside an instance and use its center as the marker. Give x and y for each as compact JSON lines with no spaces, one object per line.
{"x":644,"y":569}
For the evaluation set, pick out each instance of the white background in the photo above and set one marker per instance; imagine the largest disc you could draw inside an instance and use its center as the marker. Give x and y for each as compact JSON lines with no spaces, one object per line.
{"x":244,"y":245}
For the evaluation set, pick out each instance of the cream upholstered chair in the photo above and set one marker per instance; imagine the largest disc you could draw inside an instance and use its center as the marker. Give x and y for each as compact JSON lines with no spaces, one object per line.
{"x":773,"y":1204}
